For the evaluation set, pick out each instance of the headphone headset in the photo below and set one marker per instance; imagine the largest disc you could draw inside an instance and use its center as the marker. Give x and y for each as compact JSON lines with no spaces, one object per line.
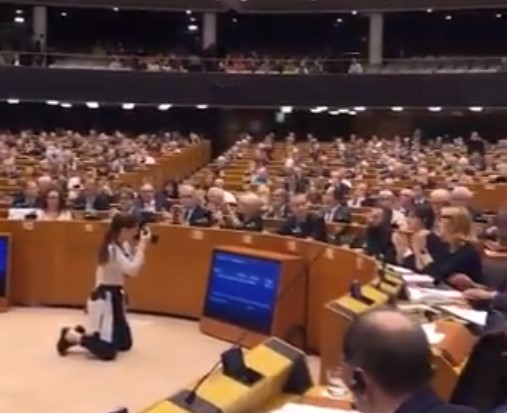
{"x":358,"y":384}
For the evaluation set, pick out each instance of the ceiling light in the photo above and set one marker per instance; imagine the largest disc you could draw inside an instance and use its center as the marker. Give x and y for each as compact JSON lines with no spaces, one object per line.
{"x":448,"y":17}
{"x":429,"y":11}
{"x":397,"y":109}
{"x":164,"y":106}
{"x":339,"y":20}
{"x":65,"y":105}
{"x":12,"y":101}
{"x":359,"y":108}
{"x":321,"y":109}
{"x":475,"y":108}
{"x":19,"y":11}
{"x":19,"y":19}
{"x":63,"y":14}
{"x":92,"y":105}
{"x":189,"y":12}
{"x":116,"y":9}
{"x":128,"y":106}
{"x":498,"y":15}
{"x":52,"y":102}
{"x":334,"y":112}
{"x":352,"y":112}
{"x":354,"y":12}
{"x":193,"y":27}
{"x":202,"y":107}
{"x":315,"y":110}
{"x":286,"y":109}
{"x":234,"y":20}
{"x":434,"y":108}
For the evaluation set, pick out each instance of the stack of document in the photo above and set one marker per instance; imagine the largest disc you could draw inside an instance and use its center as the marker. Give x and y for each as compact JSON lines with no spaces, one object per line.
{"x":467,"y":314}
{"x":410,"y":277}
{"x":432,"y":296}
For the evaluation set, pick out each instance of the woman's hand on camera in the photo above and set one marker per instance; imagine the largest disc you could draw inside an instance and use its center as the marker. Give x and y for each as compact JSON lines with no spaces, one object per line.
{"x":145,"y":235}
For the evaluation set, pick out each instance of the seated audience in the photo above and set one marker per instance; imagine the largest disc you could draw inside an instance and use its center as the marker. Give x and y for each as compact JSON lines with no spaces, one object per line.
{"x":191,"y":212}
{"x":461,"y":196}
{"x":302,"y":223}
{"x":249,"y":215}
{"x":334,"y":209}
{"x":279,"y":207}
{"x":91,"y":199}
{"x":388,"y":365}
{"x":387,"y":200}
{"x":360,"y":197}
{"x":53,"y":207}
{"x":421,"y":221}
{"x":29,"y":198}
{"x":462,"y":265}
{"x":147,"y":201}
{"x":126,"y":203}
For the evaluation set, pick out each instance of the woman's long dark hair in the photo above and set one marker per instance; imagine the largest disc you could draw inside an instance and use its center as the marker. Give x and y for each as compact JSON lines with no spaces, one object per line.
{"x":118,"y":223}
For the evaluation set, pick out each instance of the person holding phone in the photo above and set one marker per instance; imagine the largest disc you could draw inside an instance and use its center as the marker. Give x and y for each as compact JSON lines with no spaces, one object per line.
{"x":121,"y":254}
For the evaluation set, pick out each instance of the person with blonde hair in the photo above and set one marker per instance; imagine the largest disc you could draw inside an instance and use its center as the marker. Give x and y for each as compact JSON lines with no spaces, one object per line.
{"x":461,"y":266}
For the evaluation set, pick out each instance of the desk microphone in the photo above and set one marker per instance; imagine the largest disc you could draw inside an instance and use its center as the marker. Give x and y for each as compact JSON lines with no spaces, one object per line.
{"x":381,"y":270}
{"x":191,"y":397}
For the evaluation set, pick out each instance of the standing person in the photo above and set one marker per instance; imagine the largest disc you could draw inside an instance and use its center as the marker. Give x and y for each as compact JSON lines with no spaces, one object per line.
{"x":119,"y":256}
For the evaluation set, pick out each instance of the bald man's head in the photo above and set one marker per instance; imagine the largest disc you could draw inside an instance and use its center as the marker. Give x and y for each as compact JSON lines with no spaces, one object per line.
{"x":390,"y":350}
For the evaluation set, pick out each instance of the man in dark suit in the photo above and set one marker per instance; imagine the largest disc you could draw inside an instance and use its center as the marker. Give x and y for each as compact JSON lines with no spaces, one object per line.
{"x":335,"y":210}
{"x":388,"y":365}
{"x":147,"y":200}
{"x":29,"y":198}
{"x":91,"y":199}
{"x":191,"y":212}
{"x":302,"y":223}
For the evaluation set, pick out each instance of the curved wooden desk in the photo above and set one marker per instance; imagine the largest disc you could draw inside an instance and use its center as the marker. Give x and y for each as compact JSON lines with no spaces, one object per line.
{"x":53,"y":263}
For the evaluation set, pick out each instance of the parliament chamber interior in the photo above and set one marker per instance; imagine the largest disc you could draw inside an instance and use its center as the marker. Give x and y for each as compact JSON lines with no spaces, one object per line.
{"x":253,"y":206}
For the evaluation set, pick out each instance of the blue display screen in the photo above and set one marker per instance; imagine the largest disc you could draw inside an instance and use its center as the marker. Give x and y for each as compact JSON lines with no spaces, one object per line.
{"x":242,"y":291}
{"x":4,"y":263}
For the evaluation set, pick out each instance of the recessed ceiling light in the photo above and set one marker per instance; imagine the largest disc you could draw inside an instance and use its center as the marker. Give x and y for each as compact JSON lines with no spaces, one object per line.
{"x":128,"y":106}
{"x":19,"y":11}
{"x":193,"y":27}
{"x":354,"y":12}
{"x":397,"y":109}
{"x":339,"y":20}
{"x":434,"y":108}
{"x":498,"y":15}
{"x":448,"y":17}
{"x":189,"y":12}
{"x":286,"y":109}
{"x":66,"y":105}
{"x":475,"y":108}
{"x":52,"y":102}
{"x":359,"y":108}
{"x":63,"y":14}
{"x":12,"y":101}
{"x":19,"y":19}
{"x":164,"y":106}
{"x":429,"y":11}
{"x":202,"y":107}
{"x":92,"y":105}
{"x":116,"y":9}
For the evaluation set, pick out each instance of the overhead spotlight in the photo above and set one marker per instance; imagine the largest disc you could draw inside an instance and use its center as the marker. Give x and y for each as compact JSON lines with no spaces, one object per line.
{"x":164,"y":106}
{"x":193,"y":19}
{"x":359,"y":108}
{"x":339,"y":20}
{"x":352,"y":112}
{"x":429,"y":10}
{"x":189,"y":12}
{"x":63,"y":14}
{"x":354,"y":12}
{"x":334,"y":112}
{"x":19,"y":19}
{"x":128,"y":106}
{"x":234,"y":20}
{"x":92,"y":105}
{"x":498,"y":15}
{"x":116,"y":9}
{"x":52,"y":102}
{"x":475,"y":109}
{"x":320,"y":109}
{"x":434,"y":108}
{"x":286,"y":109}
{"x":448,"y":17}
{"x":12,"y":101}
{"x":202,"y":107}
{"x":397,"y":109}
{"x":65,"y":105}
{"x":19,"y":11}
{"x":192,"y":27}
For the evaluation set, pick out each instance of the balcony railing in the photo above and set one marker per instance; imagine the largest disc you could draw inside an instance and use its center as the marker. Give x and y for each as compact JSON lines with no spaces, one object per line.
{"x":253,"y":65}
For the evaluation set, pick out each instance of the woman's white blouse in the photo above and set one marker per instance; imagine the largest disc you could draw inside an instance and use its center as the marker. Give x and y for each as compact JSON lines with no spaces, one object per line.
{"x":122,"y":262}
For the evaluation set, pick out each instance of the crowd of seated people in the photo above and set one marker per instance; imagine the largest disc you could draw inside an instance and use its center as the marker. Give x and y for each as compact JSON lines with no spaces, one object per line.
{"x":51,"y":176}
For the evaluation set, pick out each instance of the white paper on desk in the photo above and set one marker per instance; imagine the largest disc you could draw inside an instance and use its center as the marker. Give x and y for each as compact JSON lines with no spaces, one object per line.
{"x":434,"y":337}
{"x":432,"y":295}
{"x":417,"y":278}
{"x":308,"y":408}
{"x":467,"y":314}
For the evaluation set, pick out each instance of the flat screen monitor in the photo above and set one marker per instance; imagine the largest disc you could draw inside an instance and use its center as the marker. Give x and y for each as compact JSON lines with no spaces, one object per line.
{"x":4,"y":264}
{"x":242,"y":290}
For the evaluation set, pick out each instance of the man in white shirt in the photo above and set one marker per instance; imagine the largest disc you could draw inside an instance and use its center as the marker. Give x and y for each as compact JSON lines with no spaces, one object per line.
{"x":387,"y":200}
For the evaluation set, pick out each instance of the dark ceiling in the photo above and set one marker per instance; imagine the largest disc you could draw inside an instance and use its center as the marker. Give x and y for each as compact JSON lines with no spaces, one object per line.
{"x":274,"y":6}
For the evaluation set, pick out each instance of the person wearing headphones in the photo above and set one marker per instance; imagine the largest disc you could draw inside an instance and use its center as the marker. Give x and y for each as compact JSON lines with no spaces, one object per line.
{"x":388,"y":365}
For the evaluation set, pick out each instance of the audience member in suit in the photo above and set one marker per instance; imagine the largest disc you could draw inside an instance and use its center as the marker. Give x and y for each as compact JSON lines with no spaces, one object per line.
{"x":387,"y":200}
{"x":29,"y":198}
{"x":91,"y":199}
{"x":421,"y":221}
{"x":418,"y":195}
{"x":334,"y":209}
{"x":126,"y":203}
{"x":249,"y":215}
{"x":148,"y":202}
{"x":296,"y":182}
{"x":279,"y":208}
{"x":302,"y":223}
{"x":360,"y":198}
{"x":376,"y":240}
{"x":462,"y":265}
{"x":168,"y":194}
{"x":461,"y":196}
{"x":388,"y":365}
{"x":191,"y":212}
